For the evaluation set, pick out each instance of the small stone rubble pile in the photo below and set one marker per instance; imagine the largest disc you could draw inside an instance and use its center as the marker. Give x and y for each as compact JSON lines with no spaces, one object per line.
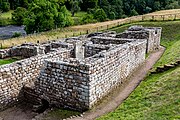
{"x":75,"y":72}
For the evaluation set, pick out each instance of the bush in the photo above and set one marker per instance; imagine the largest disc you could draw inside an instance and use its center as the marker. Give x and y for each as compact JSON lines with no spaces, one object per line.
{"x":88,"y":18}
{"x":5,"y":6}
{"x":100,"y":15}
{"x":112,"y":15}
{"x":16,"y":34}
{"x":18,"y":16}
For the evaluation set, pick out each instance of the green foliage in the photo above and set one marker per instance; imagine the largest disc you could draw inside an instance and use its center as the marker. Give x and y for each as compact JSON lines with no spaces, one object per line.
{"x":173,"y":5}
{"x":112,"y":15}
{"x":133,"y":13}
{"x":5,"y":6}
{"x":88,"y":18}
{"x":18,"y":16}
{"x":46,"y":15}
{"x":16,"y":34}
{"x":61,"y":114}
{"x":100,"y":15}
{"x":4,"y":20}
{"x":7,"y":61}
{"x":75,"y":6}
{"x":88,"y":4}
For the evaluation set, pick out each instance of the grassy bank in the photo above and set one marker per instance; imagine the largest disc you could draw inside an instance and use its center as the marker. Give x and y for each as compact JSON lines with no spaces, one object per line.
{"x":157,"y":97}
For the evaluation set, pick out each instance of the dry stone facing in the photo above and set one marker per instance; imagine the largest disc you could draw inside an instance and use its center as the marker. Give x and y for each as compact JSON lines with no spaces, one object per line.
{"x":75,"y":77}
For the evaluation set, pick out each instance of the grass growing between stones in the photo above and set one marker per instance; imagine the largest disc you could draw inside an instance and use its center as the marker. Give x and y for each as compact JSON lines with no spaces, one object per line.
{"x":59,"y":114}
{"x":157,"y":97}
{"x":7,"y":61}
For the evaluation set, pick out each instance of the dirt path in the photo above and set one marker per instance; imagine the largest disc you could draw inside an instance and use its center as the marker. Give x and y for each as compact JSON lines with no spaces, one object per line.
{"x":135,"y":80}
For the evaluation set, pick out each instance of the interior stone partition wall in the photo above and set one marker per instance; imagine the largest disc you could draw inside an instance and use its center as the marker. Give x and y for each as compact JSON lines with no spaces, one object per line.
{"x":78,"y":84}
{"x":152,"y":35}
{"x":14,"y":76}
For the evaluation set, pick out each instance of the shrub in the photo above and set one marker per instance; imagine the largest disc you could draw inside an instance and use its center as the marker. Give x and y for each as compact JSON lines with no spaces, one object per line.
{"x":100,"y":15}
{"x":88,"y":18}
{"x":16,"y":34}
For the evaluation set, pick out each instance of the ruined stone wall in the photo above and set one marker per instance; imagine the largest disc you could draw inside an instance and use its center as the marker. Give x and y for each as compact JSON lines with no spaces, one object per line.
{"x":113,"y":67}
{"x":92,"y":49}
{"x":79,"y":84}
{"x":14,"y":76}
{"x":64,"y":84}
{"x":109,"y":40}
{"x":152,"y":35}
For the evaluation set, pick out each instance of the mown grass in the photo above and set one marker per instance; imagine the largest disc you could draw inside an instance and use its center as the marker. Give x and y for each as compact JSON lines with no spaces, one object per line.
{"x":7,"y":61}
{"x":158,"y":96}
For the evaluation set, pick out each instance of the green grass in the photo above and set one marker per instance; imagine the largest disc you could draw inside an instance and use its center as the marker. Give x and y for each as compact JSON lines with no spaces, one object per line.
{"x":59,"y":114}
{"x":6,"y":18}
{"x":7,"y":61}
{"x":158,"y":96}
{"x":7,"y":15}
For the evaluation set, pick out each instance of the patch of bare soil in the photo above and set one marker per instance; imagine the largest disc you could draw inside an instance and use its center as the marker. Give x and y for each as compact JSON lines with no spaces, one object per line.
{"x":19,"y":112}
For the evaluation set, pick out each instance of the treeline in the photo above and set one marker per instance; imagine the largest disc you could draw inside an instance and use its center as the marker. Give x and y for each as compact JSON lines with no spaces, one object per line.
{"x":43,"y":15}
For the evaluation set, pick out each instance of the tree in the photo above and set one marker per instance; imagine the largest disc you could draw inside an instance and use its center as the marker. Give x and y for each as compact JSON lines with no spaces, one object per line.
{"x":88,"y":18}
{"x":45,"y":15}
{"x":75,"y":6}
{"x":88,"y":4}
{"x":18,"y":15}
{"x":5,"y":6}
{"x":100,"y":15}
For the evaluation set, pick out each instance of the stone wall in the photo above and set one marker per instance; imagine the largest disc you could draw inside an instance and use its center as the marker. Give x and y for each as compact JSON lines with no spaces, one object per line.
{"x":64,"y":84}
{"x":92,"y":49}
{"x":14,"y":76}
{"x":112,"y":68}
{"x":151,"y":34}
{"x":79,"y":84}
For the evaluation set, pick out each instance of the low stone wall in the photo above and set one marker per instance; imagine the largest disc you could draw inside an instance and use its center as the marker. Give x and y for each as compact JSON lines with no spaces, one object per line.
{"x":152,"y":35}
{"x":112,"y":68}
{"x":92,"y":49}
{"x":109,"y":40}
{"x":14,"y":76}
{"x":64,"y":84}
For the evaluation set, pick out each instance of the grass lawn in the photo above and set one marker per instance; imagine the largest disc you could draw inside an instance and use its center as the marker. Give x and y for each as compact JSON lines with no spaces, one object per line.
{"x":7,"y":61}
{"x":7,"y":15}
{"x":158,"y":96}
